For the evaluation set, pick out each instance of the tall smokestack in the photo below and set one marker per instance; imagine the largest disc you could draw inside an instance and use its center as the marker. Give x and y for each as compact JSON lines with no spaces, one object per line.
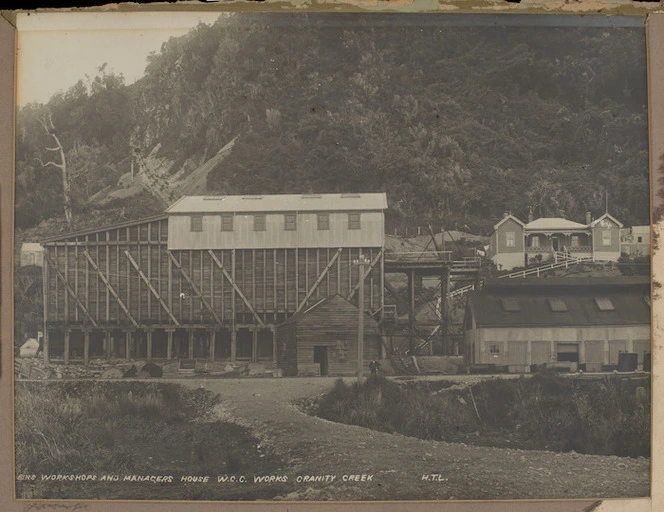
{"x":589,"y":219}
{"x":531,"y":214}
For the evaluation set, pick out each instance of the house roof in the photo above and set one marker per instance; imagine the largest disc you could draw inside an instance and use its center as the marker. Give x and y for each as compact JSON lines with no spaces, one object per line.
{"x":505,"y":219}
{"x":100,"y":229}
{"x":554,"y":224}
{"x":280,"y":203}
{"x":520,"y":303}
{"x":332,"y":300}
{"x":606,"y":216}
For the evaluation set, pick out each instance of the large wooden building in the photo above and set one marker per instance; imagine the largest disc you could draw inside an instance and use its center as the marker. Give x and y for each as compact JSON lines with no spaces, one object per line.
{"x":532,"y":321}
{"x":211,"y":278}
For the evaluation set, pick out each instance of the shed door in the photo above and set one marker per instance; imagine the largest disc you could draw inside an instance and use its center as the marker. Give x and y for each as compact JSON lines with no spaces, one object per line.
{"x":594,"y":355}
{"x":518,"y":352}
{"x":540,"y":352}
{"x":615,"y":347}
{"x":320,"y":357}
{"x":567,"y":352}
{"x":640,"y":347}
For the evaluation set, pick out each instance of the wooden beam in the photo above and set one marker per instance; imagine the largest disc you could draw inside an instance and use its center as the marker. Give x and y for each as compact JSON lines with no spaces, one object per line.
{"x":110,"y":288}
{"x":151,"y":288}
{"x":366,"y":274}
{"x":66,"y":351}
{"x":236,"y":288}
{"x":187,"y":278}
{"x":86,"y":346}
{"x":69,"y":289}
{"x":45,"y":288}
{"x":319,"y":279}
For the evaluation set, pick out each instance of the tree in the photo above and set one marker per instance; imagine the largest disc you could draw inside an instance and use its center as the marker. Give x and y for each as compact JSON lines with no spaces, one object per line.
{"x":47,"y":123}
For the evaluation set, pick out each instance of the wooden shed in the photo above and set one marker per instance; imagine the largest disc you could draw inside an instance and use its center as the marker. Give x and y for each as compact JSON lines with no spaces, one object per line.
{"x":323,"y":340}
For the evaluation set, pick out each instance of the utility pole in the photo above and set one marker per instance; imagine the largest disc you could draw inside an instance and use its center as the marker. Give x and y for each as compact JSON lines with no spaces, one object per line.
{"x":361,"y":261}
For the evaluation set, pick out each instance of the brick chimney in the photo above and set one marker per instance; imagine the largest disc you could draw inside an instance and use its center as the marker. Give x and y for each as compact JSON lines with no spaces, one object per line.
{"x":531,"y":215}
{"x":589,"y":218}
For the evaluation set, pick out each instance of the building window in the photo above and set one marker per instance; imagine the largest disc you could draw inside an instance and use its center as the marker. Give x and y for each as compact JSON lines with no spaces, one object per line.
{"x":354,"y":220}
{"x":604,"y":304}
{"x":606,"y":237}
{"x":639,"y":239}
{"x":510,"y":239}
{"x":534,"y":241}
{"x":323,"y":221}
{"x":259,"y":222}
{"x":227,"y":223}
{"x":510,"y":304}
{"x":494,"y":349}
{"x":557,"y":305}
{"x":196,"y":223}
{"x":576,"y":242}
{"x":290,"y":223}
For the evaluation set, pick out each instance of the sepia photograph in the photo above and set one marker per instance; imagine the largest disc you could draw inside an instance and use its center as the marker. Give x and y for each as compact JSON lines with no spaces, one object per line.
{"x":306,"y":257}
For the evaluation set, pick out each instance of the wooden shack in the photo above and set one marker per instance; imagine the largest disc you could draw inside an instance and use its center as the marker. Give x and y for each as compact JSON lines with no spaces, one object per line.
{"x":210,"y":278}
{"x":323,"y":340}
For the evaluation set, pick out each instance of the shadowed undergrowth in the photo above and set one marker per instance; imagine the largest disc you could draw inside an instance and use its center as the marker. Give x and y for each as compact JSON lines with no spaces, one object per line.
{"x":610,"y":416}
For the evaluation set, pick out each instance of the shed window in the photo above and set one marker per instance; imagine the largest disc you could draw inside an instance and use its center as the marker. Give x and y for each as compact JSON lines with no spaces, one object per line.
{"x":557,"y":305}
{"x":227,"y":223}
{"x":534,"y":241}
{"x":510,"y":304}
{"x":354,"y":220}
{"x":259,"y":222}
{"x":604,"y":304}
{"x":510,"y":239}
{"x":323,"y":222}
{"x":290,"y":222}
{"x":606,"y":237}
{"x":196,"y":223}
{"x":494,"y":348}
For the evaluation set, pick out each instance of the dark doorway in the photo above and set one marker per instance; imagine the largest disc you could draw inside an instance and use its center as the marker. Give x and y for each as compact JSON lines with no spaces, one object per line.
{"x":554,"y":241}
{"x":320,"y":357}
{"x":567,"y":352}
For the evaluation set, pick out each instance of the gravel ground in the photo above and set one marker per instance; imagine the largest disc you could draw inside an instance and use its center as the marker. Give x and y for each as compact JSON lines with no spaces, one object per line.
{"x":397,"y":467}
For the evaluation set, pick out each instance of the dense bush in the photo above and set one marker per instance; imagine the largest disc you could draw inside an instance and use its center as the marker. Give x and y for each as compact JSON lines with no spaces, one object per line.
{"x":546,"y":411}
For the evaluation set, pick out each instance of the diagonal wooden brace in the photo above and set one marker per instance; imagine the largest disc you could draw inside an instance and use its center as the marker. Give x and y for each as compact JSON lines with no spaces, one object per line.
{"x":110,"y":288}
{"x":70,"y":290}
{"x":366,"y":274}
{"x":152,"y":289}
{"x":236,"y":288}
{"x":319,"y":279}
{"x":194,"y":287}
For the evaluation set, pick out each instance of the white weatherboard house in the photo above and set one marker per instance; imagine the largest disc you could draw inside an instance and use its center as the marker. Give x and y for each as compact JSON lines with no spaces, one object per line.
{"x":517,"y":244}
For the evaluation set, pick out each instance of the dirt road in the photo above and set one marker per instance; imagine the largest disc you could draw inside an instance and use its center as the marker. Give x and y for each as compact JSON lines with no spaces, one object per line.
{"x":343,"y":462}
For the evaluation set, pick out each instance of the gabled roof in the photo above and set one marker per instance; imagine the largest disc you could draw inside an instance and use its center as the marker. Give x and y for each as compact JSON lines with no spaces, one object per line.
{"x":506,"y":218}
{"x":582,"y":299}
{"x":280,"y":203}
{"x":336,"y":301}
{"x":606,"y":216}
{"x":554,"y":224}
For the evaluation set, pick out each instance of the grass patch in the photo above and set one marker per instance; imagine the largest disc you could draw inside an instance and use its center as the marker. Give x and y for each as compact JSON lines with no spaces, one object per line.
{"x":546,"y":411}
{"x":130,"y":428}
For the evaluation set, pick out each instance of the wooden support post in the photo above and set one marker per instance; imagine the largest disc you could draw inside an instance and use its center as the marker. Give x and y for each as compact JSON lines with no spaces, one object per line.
{"x":127,"y":345}
{"x":274,"y":345}
{"x":66,"y":351}
{"x":69,"y":289}
{"x":149,"y":341}
{"x":213,"y":340}
{"x":169,"y":344}
{"x":107,"y":343}
{"x":254,"y":345}
{"x":319,"y":279}
{"x":190,"y":344}
{"x":233,"y":345}
{"x":195,"y":289}
{"x":86,"y":346}
{"x":46,"y":346}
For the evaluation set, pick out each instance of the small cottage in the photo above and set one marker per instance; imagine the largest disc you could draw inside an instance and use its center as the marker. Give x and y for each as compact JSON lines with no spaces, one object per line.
{"x":323,"y":340}
{"x":32,"y":254}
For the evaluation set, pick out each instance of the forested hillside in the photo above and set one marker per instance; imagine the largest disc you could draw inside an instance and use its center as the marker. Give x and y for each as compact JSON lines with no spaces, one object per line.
{"x":456,"y":124}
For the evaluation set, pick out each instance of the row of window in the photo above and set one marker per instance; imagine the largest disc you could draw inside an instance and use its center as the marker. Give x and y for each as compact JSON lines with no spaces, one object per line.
{"x":290,"y":222}
{"x":510,"y":239}
{"x":556,"y":304}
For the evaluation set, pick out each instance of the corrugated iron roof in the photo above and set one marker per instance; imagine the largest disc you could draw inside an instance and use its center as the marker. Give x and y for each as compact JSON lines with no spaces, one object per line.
{"x":554,"y":224}
{"x":280,"y":203}
{"x":579,"y":296}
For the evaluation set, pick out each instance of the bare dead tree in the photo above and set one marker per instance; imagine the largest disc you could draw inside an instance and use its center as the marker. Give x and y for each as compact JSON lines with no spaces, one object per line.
{"x":47,"y":123}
